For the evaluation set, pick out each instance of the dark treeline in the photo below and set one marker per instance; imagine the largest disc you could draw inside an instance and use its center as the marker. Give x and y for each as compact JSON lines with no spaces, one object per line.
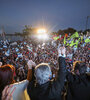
{"x":29,"y":30}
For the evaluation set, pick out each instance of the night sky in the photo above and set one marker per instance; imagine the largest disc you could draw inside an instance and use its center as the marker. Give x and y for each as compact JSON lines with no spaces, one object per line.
{"x":51,"y":14}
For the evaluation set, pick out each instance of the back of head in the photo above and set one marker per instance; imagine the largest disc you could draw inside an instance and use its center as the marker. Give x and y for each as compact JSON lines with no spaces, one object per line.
{"x":42,"y":73}
{"x":81,"y":67}
{"x":6,"y":76}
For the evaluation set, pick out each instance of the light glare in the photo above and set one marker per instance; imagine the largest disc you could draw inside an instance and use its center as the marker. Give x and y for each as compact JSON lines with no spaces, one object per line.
{"x":44,"y":36}
{"x":41,"y":31}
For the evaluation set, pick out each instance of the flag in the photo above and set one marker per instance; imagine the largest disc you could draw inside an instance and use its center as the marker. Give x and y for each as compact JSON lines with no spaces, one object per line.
{"x":87,"y":40}
{"x":65,"y":40}
{"x":81,"y":38}
{"x":74,"y":43}
{"x":74,"y":35}
{"x":56,"y":38}
{"x":66,"y":35}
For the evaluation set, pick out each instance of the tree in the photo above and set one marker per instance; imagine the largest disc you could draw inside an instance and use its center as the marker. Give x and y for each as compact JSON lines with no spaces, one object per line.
{"x":60,"y":32}
{"x":87,"y":30}
{"x":17,"y":34}
{"x":70,"y":30}
{"x":29,"y":30}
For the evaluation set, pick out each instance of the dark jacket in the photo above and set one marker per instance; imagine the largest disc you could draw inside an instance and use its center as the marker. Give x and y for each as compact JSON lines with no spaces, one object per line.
{"x":50,"y":90}
{"x":78,"y":87}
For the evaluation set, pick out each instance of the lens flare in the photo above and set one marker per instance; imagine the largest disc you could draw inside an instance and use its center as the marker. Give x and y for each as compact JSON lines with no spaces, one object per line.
{"x":40,"y":31}
{"x":43,"y":36}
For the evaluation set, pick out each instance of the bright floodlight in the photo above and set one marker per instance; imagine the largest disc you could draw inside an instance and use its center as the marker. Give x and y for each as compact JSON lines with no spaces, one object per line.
{"x":43,"y":36}
{"x":41,"y":31}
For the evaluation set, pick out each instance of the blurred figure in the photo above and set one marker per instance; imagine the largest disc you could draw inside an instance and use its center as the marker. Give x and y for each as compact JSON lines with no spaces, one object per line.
{"x":78,"y":83}
{"x":7,"y":93}
{"x":0,"y":63}
{"x":6,"y":76}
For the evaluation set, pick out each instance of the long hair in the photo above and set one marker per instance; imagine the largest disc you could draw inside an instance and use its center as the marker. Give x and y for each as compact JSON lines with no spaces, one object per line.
{"x":6,"y":76}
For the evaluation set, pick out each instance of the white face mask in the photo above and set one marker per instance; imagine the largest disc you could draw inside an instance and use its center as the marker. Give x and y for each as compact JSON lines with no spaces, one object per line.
{"x":0,"y":63}
{"x":53,"y":75}
{"x":50,"y":76}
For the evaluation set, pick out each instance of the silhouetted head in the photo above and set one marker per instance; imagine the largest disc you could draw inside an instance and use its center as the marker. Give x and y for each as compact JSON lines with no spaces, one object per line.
{"x":42,"y":73}
{"x":6,"y":75}
{"x":79,"y":68}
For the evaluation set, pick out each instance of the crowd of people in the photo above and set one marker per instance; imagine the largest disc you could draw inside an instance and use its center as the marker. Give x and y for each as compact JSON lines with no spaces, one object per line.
{"x":20,"y":53}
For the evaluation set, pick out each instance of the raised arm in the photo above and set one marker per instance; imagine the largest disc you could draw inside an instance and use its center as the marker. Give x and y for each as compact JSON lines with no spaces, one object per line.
{"x":30,"y":65}
{"x":58,"y":84}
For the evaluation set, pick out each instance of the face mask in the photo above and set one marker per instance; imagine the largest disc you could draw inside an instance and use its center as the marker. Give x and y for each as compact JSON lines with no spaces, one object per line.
{"x":53,"y":75}
{"x":50,"y":76}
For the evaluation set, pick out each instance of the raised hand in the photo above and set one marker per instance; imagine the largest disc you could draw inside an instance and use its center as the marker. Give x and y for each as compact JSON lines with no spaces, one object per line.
{"x":0,"y":63}
{"x":30,"y":64}
{"x":63,"y":50}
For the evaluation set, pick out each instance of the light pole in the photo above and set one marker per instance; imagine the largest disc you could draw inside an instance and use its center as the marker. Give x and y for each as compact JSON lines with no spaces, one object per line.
{"x":87,"y":22}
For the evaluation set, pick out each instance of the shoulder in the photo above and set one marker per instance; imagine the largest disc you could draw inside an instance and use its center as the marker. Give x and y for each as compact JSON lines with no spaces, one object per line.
{"x":72,"y":77}
{"x":20,"y":90}
{"x":21,"y":85}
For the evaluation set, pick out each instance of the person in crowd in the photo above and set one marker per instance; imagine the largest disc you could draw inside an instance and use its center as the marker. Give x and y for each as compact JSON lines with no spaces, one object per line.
{"x":7,"y":94}
{"x":0,"y":63}
{"x":17,"y":53}
{"x":44,"y":88}
{"x":78,"y":83}
{"x":7,"y":78}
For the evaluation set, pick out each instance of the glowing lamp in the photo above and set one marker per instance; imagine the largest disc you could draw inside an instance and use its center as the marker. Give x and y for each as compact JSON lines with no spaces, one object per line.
{"x":41,"y":31}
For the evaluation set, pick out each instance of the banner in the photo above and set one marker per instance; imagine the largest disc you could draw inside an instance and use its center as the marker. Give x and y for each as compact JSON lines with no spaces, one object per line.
{"x":74,"y":35}
{"x":56,"y":38}
{"x":87,"y":40}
